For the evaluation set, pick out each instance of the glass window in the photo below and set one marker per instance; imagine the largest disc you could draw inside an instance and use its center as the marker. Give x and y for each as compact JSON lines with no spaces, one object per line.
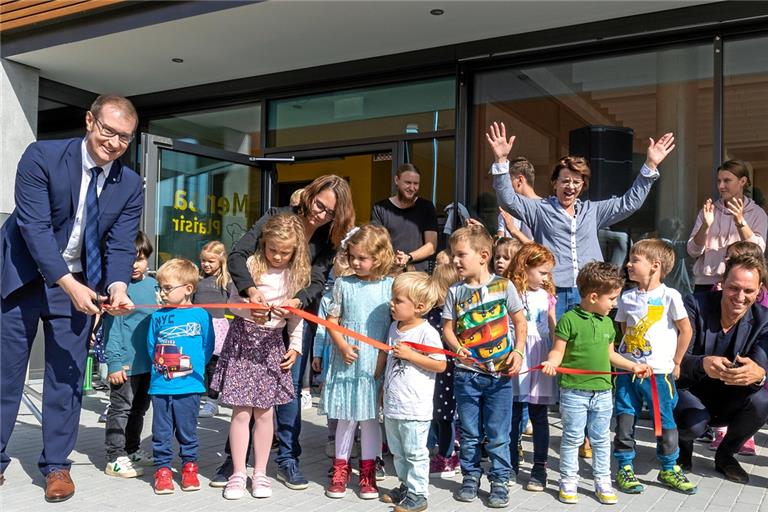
{"x":202,"y":199}
{"x":745,"y":108}
{"x":606,"y":109}
{"x":417,"y":107}
{"x":235,"y":129}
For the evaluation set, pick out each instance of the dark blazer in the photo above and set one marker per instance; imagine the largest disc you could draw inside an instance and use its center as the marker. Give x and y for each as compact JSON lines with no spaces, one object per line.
{"x":751,"y":337}
{"x":47,"y":193}
{"x":321,"y":253}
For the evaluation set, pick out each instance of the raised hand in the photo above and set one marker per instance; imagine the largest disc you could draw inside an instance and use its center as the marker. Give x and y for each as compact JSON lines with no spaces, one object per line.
{"x":708,"y":212}
{"x":735,"y":205}
{"x":497,"y":140}
{"x":658,"y":150}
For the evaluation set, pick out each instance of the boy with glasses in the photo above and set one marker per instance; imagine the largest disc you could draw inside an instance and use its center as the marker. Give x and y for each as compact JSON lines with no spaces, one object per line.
{"x":180,"y":342}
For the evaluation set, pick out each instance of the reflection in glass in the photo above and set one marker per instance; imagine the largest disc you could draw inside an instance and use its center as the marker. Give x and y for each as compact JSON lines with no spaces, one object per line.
{"x":235,"y":129}
{"x":745,"y":103}
{"x":605,"y":109}
{"x":201,"y":199}
{"x":416,"y":107}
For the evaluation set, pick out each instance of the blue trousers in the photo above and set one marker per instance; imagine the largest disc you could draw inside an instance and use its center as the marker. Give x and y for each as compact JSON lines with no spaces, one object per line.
{"x":567,"y":298}
{"x":630,"y":395}
{"x":174,"y":416}
{"x":66,"y":348}
{"x":483,"y":403}
{"x":289,"y":415}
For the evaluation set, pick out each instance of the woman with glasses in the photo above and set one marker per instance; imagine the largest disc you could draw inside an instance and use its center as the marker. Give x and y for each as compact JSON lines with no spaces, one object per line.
{"x":327,"y":213}
{"x":564,"y":223}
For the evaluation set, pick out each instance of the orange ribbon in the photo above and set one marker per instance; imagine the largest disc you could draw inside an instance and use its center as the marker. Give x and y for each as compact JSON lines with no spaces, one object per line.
{"x":386,"y":348}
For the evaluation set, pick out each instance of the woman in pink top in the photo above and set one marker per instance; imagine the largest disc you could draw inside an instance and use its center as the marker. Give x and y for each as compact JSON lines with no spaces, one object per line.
{"x":730,"y":219}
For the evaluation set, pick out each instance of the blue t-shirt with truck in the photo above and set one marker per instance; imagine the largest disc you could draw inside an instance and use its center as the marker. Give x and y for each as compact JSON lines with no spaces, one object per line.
{"x":180,"y":343}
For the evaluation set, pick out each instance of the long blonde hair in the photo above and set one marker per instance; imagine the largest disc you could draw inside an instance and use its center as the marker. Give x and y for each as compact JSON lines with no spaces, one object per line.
{"x":217,"y":249}
{"x":284,"y":228}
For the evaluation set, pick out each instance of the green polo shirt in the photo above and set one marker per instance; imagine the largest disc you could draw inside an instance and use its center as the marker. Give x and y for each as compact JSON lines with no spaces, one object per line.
{"x":587,"y":336}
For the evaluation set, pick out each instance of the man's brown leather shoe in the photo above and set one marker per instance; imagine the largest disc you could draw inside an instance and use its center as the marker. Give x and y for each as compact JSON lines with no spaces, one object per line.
{"x":58,"y":486}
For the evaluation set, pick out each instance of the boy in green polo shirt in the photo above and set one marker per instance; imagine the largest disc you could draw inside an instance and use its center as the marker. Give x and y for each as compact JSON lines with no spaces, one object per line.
{"x":584,"y":340}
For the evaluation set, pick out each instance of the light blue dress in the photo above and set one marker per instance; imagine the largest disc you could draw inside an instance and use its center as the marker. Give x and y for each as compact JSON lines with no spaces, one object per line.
{"x":350,"y":391}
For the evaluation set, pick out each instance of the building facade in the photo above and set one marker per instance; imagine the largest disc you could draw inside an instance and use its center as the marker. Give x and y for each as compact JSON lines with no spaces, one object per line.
{"x":241,"y":103}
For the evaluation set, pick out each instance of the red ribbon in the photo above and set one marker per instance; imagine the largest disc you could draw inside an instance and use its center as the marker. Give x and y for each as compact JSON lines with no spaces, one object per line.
{"x":386,"y":348}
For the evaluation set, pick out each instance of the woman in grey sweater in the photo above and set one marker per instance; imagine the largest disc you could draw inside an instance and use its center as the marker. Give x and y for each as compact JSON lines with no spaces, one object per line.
{"x":564,"y":223}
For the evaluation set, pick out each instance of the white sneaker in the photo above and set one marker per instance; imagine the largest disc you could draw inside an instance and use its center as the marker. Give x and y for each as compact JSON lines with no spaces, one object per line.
{"x":261,"y":487}
{"x":306,"y":399}
{"x":141,"y":458}
{"x":235,"y":488}
{"x":123,"y":467}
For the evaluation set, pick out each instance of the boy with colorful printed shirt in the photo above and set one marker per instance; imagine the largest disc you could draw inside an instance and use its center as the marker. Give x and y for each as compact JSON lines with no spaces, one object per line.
{"x":180,"y":343}
{"x":476,"y":325}
{"x":657,"y":333}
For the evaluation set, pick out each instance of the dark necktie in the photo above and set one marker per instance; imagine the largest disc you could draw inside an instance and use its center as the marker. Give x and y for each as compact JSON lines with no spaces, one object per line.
{"x":91,"y":242}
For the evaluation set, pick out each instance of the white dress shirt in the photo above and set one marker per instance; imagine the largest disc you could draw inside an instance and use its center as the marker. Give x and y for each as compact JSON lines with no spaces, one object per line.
{"x":74,"y":247}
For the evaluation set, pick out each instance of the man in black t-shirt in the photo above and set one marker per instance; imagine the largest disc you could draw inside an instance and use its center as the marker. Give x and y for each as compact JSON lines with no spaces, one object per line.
{"x":410,"y":220}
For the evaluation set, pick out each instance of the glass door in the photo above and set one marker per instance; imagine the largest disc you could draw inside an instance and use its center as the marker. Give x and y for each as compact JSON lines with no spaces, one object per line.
{"x":368,"y":169}
{"x":195,"y":194}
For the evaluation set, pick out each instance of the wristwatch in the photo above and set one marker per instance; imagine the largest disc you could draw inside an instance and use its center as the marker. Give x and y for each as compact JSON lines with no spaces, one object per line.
{"x":739,"y":224}
{"x":762,"y":381}
{"x":410,"y":257}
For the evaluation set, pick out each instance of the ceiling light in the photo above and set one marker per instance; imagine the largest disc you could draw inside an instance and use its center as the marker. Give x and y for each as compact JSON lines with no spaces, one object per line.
{"x":177,"y":60}
{"x":437,"y":12}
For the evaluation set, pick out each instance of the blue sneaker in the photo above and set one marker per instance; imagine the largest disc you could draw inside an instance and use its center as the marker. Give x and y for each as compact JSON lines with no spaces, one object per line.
{"x":290,"y":474}
{"x":499,"y":497}
{"x":468,"y":490}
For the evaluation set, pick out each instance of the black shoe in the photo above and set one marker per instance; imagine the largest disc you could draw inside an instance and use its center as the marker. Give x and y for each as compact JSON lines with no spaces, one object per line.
{"x":731,"y":469}
{"x":685,"y":457}
{"x":223,"y":473}
{"x":707,"y":436}
{"x":396,"y":495}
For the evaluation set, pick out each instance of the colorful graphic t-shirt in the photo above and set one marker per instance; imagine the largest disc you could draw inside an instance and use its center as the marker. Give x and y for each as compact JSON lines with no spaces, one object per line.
{"x":651,"y":333}
{"x":180,"y":343}
{"x":482,"y":314}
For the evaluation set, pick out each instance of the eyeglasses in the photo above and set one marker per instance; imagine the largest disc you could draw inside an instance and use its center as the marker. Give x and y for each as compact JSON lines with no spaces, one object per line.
{"x":574,"y":183}
{"x":109,"y":133}
{"x":168,"y":289}
{"x":321,"y":208}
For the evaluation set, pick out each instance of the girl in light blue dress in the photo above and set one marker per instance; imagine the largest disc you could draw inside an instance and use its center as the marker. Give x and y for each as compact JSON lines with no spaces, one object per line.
{"x":360,"y":302}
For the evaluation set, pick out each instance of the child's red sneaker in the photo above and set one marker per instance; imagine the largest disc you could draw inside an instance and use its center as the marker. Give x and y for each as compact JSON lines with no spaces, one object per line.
{"x":368,"y":488}
{"x":189,"y":480}
{"x":339,"y":479}
{"x":164,"y":481}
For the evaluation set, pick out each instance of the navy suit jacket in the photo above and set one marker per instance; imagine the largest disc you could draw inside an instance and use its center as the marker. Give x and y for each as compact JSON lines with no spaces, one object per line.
{"x":47,"y":193}
{"x":751,"y":339}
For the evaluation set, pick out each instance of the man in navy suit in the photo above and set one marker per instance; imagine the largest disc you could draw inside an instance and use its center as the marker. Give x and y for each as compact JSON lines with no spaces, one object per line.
{"x":66,"y":248}
{"x":722,"y":375}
